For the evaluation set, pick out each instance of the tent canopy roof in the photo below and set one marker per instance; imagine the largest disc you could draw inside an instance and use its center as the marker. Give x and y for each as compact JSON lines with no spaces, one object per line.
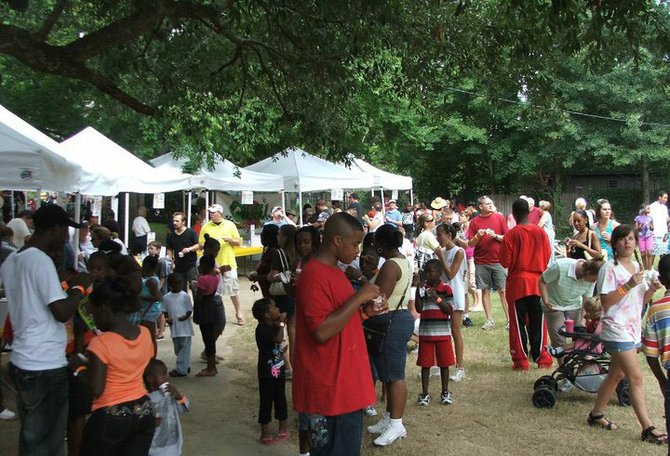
{"x":109,"y":169}
{"x":304,"y":172}
{"x":380,"y":178}
{"x":30,"y":159}
{"x":224,"y":176}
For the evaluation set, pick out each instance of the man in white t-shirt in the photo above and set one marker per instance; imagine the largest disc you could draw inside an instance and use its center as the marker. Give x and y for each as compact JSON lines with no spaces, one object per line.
{"x":21,"y":227}
{"x":38,"y":307}
{"x":659,"y":215}
{"x":141,"y":229}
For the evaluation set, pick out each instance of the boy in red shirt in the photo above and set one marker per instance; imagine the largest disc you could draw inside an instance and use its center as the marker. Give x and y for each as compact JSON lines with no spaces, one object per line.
{"x":525,"y":252}
{"x":332,"y":380}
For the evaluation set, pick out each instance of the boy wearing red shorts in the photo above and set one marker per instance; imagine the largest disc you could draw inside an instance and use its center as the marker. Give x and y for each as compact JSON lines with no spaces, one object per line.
{"x":434,"y":300}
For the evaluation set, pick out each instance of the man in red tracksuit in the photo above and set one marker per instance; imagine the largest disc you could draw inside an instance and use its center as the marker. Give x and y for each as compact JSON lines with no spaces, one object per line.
{"x":525,"y":252}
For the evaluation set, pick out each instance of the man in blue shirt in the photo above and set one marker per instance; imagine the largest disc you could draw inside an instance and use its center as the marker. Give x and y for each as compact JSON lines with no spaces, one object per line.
{"x":393,"y":215}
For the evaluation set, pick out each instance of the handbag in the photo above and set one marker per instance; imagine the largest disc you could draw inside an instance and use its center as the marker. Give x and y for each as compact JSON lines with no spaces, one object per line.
{"x":376,"y":329}
{"x":277,"y":288}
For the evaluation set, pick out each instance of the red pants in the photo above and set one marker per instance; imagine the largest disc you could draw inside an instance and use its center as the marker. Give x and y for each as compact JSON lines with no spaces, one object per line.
{"x":527,"y":326}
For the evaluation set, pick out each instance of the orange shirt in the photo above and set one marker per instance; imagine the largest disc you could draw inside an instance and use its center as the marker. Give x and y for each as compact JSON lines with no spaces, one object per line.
{"x":125,"y":360}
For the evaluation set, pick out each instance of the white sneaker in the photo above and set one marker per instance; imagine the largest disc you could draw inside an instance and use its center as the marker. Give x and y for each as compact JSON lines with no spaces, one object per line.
{"x":370,"y":411}
{"x":381,"y":426}
{"x":458,"y":375}
{"x":391,"y":434}
{"x":7,"y":415}
{"x":446,"y":398}
{"x":489,"y":325}
{"x":423,"y":400}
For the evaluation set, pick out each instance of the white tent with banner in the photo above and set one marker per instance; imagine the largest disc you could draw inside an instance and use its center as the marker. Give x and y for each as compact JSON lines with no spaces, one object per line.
{"x":225,"y":175}
{"x":31,"y":160}
{"x":306,"y":173}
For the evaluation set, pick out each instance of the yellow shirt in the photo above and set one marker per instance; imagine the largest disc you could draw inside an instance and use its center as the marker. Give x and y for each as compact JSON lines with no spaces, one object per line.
{"x":226,"y":229}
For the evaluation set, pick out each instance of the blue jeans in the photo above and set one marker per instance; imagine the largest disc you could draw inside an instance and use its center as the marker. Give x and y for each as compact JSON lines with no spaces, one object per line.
{"x":182,"y":348}
{"x":342,"y":436}
{"x":42,"y":402}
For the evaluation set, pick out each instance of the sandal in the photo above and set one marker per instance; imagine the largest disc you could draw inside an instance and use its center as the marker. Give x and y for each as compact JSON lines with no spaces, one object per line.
{"x":267,"y":441}
{"x":601,"y":421}
{"x":648,"y":435}
{"x":206,"y":373}
{"x":282,"y":437}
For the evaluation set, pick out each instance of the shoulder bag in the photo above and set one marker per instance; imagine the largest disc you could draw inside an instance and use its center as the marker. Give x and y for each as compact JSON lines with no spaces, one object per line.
{"x":277,"y":288}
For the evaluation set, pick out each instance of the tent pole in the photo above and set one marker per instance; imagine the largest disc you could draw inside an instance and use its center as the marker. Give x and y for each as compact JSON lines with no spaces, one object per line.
{"x":188,"y":209}
{"x":207,"y":206}
{"x":126,"y":211}
{"x":301,"y":211}
{"x":77,"y":218}
{"x":283,"y":201}
{"x":381,"y":192}
{"x":13,"y":205}
{"x":411,"y":196}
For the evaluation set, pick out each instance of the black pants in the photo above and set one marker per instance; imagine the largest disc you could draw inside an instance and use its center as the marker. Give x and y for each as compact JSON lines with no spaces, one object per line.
{"x":526,"y":326}
{"x":124,"y":430}
{"x":272,"y":391}
{"x":209,"y":336}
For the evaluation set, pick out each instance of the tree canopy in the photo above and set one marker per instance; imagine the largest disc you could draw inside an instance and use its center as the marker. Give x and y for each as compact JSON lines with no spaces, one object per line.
{"x":476,"y":91}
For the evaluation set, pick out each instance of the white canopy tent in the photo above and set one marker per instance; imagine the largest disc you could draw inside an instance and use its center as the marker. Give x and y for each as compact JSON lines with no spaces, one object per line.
{"x":109,"y":169}
{"x":224,"y":176}
{"x":383,"y":180}
{"x":31,"y":160}
{"x":306,"y":173}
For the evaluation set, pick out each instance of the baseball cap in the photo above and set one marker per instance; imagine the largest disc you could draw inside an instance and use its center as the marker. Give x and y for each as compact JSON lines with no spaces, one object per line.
{"x":52,"y":215}
{"x":216,"y":208}
{"x":275,"y":209}
{"x":393,"y":201}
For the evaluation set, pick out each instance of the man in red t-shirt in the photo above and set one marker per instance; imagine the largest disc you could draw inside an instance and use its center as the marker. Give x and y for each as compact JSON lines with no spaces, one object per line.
{"x":485,"y":233}
{"x":332,"y":380}
{"x":525,"y":252}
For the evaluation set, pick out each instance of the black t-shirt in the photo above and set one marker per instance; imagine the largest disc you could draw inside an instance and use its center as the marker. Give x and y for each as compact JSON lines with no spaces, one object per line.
{"x":359,"y":210}
{"x":177,"y":242}
{"x":270,"y":356}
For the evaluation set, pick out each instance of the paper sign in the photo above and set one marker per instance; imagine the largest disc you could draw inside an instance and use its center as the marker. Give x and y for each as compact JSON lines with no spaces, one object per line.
{"x":96,"y":207}
{"x":394,"y":195}
{"x":337,"y":194}
{"x":159,"y":200}
{"x":247,"y":197}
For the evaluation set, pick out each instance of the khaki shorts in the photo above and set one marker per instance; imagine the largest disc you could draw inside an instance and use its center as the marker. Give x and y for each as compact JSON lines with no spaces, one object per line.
{"x":490,"y":276}
{"x":231,"y":285}
{"x":470,"y":276}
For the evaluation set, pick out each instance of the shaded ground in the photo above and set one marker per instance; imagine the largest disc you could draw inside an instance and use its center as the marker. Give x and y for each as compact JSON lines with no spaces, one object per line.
{"x":492,"y":411}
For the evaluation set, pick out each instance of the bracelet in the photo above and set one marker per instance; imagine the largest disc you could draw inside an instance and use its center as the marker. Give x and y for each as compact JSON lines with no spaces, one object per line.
{"x":182,"y":401}
{"x":79,"y":370}
{"x":80,"y":288}
{"x":622,"y":291}
{"x":65,"y":285}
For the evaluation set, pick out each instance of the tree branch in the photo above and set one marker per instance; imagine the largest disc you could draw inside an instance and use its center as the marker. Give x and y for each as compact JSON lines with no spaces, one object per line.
{"x":43,"y":33}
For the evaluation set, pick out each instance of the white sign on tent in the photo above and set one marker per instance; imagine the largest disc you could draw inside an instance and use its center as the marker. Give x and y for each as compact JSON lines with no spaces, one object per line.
{"x":336,"y":194}
{"x":159,"y":200}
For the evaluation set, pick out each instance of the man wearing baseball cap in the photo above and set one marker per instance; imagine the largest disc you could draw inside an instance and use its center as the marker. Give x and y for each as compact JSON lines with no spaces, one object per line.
{"x":278,"y":217}
{"x":38,"y":308}
{"x":226,"y":233}
{"x":393,"y":215}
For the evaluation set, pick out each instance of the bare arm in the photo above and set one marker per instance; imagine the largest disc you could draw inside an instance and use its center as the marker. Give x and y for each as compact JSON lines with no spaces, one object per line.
{"x":455,"y":266}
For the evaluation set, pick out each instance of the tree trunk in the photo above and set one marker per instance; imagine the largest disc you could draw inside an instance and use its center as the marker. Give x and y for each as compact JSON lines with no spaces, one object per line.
{"x":644,"y":171}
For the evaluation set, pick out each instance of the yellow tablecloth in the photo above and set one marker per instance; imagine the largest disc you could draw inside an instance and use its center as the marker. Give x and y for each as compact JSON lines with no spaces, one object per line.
{"x":248,"y":250}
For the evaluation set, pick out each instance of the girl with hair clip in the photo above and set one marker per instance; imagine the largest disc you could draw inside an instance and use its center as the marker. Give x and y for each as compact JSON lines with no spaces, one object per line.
{"x":623,"y":293}
{"x":604,"y":226}
{"x":584,"y":244}
{"x":123,"y":417}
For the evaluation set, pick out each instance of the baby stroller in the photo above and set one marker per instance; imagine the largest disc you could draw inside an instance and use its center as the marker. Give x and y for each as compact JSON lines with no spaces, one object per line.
{"x":585,"y":367}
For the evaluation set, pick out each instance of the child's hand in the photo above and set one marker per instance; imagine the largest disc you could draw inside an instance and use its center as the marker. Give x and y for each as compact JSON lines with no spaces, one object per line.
{"x":635,"y":279}
{"x":368,"y":292}
{"x":283,"y":317}
{"x":447,"y":308}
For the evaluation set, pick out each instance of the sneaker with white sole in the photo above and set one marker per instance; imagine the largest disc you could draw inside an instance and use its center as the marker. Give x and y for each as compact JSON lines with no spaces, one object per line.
{"x":489,"y":325}
{"x":423,"y":400}
{"x":391,"y":434}
{"x":446,"y":398}
{"x":458,"y":375}
{"x":7,"y":415}
{"x":370,"y":411}
{"x":381,"y":426}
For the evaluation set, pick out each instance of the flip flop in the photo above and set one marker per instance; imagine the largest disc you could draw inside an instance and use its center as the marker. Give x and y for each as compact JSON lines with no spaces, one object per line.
{"x":267,"y":441}
{"x":282,"y":437}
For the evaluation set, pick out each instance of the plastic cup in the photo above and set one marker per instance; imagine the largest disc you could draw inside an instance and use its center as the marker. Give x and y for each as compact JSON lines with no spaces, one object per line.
{"x":569,"y":325}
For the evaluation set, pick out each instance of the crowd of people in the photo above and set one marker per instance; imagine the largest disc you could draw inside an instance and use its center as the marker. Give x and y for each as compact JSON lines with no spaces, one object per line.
{"x":345,"y":296}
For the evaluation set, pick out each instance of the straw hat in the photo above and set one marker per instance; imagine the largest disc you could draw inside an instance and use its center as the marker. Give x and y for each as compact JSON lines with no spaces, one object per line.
{"x":438,"y":203}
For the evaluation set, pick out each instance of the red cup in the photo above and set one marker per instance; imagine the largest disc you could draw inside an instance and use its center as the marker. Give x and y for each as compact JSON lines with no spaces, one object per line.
{"x":569,"y":325}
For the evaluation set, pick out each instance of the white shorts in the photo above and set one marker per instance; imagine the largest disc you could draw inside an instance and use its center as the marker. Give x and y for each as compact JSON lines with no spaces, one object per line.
{"x":231,"y":285}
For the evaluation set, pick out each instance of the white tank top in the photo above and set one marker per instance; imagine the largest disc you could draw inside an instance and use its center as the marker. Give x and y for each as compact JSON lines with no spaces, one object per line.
{"x":457,"y":284}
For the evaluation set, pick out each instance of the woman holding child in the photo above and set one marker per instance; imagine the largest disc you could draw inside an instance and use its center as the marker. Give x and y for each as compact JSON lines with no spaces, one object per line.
{"x":623,"y":292}
{"x":393,"y":280}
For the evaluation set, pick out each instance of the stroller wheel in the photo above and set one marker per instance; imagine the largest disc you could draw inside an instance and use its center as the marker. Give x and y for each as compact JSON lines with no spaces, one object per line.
{"x":546,"y":380}
{"x":623,"y":392}
{"x":544,"y":397}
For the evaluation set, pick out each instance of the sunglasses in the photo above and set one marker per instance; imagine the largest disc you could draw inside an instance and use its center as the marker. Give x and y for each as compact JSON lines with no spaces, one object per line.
{"x":431,"y":220}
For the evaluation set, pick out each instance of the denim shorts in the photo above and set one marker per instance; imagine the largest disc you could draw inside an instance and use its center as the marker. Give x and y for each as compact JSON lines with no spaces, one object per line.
{"x":389,"y":365}
{"x":617,"y":347}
